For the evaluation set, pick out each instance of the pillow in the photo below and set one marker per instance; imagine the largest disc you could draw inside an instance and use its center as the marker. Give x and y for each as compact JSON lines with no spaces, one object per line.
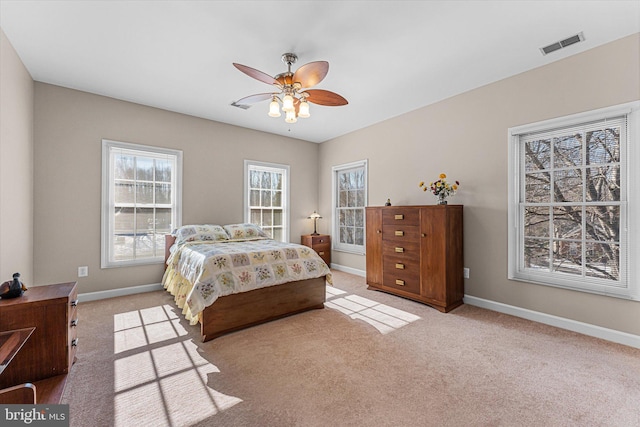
{"x":245,"y":232}
{"x":207,"y":233}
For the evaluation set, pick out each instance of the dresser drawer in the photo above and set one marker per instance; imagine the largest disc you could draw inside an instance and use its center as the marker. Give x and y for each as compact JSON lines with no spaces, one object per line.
{"x":405,"y":216}
{"x":401,"y":233}
{"x":405,"y":249}
{"x":408,"y":281}
{"x":319,"y":240}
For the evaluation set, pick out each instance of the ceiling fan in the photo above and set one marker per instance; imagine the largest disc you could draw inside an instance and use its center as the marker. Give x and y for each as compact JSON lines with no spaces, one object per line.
{"x":294,"y":89}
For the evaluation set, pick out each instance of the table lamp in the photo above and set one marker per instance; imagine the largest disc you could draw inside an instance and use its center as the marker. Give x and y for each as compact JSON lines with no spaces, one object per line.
{"x":315,"y":215}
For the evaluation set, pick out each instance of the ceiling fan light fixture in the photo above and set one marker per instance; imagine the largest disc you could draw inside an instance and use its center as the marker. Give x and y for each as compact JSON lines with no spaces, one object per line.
{"x":274,"y":108}
{"x":287,"y":103}
{"x":290,"y":117}
{"x":303,"y":110}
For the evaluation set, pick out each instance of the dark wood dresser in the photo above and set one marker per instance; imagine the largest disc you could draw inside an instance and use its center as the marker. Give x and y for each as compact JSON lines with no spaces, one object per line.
{"x":47,"y":356}
{"x":416,"y":252}
{"x":321,"y":243}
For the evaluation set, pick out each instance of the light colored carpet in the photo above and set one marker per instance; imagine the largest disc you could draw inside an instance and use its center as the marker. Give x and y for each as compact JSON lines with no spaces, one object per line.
{"x":368,"y":359}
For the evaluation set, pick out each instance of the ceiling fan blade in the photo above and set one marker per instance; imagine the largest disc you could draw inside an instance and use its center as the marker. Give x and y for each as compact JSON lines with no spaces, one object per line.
{"x":311,"y":74}
{"x":251,"y":99}
{"x":256,"y":74}
{"x":325,"y":97}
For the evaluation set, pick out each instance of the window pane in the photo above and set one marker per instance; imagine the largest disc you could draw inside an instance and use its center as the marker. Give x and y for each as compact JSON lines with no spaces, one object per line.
{"x":267,"y":218}
{"x":349,"y":217}
{"x":277,"y":198}
{"x":145,"y":245}
{"x":145,"y":220}
{"x":603,"y":146}
{"x":124,"y":167}
{"x":603,"y":184}
{"x":254,"y":197}
{"x":358,"y":237}
{"x":278,"y":234}
{"x":567,"y":257}
{"x":567,"y":151}
{"x":123,"y":247}
{"x":123,"y":221}
{"x":568,"y":185}
{"x":360,"y":198}
{"x":604,"y":223}
{"x":537,"y":155}
{"x":344,"y":199}
{"x":276,"y":181}
{"x":254,"y":179}
{"x":256,"y":216}
{"x":537,"y":188}
{"x":603,"y":261}
{"x":567,"y":222}
{"x":163,"y":221}
{"x":124,"y":192}
{"x":343,"y":179}
{"x":536,"y":254}
{"x":265,"y":198}
{"x":266,"y":180}
{"x":277,"y":217}
{"x":163,"y":170}
{"x":144,"y":169}
{"x":359,"y":219}
{"x":144,"y":193}
{"x":536,"y":221}
{"x":342,"y":217}
{"x":163,"y":194}
{"x":346,"y":235}
{"x":351,"y":198}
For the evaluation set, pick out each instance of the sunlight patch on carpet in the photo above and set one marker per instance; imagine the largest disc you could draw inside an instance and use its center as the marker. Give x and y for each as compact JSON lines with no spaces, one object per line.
{"x":160,"y":377}
{"x":381,"y":316}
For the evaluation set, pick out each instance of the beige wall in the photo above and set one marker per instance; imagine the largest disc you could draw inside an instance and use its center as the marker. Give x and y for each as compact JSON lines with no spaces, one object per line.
{"x":69,"y":128}
{"x":466,"y":137}
{"x":16,"y":166}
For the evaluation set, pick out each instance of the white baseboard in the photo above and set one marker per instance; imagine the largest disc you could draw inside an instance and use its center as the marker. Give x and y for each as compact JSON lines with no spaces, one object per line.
{"x":93,"y":296}
{"x":349,"y":270}
{"x":560,"y":322}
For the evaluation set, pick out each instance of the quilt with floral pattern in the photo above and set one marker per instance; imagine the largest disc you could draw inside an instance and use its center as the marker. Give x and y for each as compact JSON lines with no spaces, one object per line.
{"x":216,"y":269}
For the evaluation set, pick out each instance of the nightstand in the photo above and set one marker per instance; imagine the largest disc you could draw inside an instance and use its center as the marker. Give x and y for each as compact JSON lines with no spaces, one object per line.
{"x":321,"y":243}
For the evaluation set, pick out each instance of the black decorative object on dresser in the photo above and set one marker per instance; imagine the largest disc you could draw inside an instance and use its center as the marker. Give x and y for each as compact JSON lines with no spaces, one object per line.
{"x":416,"y":252}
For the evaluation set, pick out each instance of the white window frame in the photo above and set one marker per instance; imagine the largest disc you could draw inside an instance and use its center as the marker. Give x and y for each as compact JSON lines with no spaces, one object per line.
{"x":335,"y":240}
{"x":628,"y":286}
{"x":273,"y":167}
{"x":108,"y":204}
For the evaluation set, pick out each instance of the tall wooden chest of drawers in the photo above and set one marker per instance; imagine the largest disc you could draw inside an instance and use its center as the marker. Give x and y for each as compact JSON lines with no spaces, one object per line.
{"x":51,"y":349}
{"x":416,"y":252}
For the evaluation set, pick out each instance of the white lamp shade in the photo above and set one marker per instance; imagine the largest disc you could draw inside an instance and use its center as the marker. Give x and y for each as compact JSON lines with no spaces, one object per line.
{"x":290,"y":117}
{"x":274,"y":109}
{"x":287,"y":103}
{"x":304,"y":110}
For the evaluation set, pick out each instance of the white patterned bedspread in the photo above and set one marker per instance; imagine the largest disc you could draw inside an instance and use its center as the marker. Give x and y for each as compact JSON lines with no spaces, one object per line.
{"x":223,"y":268}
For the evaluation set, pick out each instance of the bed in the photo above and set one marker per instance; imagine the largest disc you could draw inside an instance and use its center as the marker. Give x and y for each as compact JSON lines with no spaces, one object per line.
{"x":231,"y":277}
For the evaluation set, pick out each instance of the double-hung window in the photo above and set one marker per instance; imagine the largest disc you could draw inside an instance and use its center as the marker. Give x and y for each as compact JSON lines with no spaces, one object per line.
{"x":349,"y":201}
{"x":266,"y":196}
{"x":141,"y":195}
{"x":573,"y":201}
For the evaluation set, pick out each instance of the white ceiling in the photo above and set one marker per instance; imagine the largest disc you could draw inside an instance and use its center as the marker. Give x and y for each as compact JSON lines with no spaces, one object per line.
{"x":386,"y":57}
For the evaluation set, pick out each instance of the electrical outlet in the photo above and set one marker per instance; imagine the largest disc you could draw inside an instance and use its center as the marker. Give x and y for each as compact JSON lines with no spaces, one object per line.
{"x":465,"y":272}
{"x":83,"y":271}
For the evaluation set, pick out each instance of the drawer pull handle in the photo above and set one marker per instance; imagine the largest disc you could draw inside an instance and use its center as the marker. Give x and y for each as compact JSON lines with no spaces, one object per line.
{"x":399,"y":282}
{"x":400,"y":266}
{"x":74,"y":343}
{"x":423,"y":235}
{"x":400,"y":250}
{"x":399,"y":217}
{"x":399,"y":233}
{"x":378,"y":231}
{"x":74,"y":323}
{"x":321,"y":241}
{"x":320,"y":253}
{"x":74,"y":303}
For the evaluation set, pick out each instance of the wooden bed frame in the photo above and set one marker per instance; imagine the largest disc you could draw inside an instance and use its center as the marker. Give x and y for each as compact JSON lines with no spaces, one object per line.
{"x":238,"y":311}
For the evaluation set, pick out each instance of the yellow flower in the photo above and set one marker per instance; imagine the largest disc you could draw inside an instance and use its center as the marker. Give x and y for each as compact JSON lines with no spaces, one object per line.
{"x":421,"y":184}
{"x":443,"y":176}
{"x":438,"y":184}
{"x":424,"y":189}
{"x":455,"y":187}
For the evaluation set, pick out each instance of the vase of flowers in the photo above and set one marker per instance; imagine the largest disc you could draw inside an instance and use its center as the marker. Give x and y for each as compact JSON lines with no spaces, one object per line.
{"x":441,"y":188}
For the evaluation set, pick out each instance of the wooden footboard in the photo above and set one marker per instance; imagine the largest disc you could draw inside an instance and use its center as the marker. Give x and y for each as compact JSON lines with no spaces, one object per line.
{"x":238,"y":311}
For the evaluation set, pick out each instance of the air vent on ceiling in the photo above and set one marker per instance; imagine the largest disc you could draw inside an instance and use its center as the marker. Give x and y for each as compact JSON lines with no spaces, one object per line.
{"x":562,"y":43}
{"x":243,"y":106}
